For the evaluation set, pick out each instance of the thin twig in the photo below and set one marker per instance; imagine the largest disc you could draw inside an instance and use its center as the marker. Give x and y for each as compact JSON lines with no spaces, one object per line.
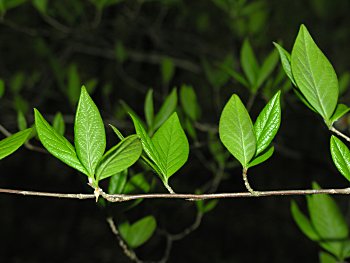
{"x":128,"y":252}
{"x":194,"y":197}
{"x":246,"y":183}
{"x":188,"y":230}
{"x":339,"y":133}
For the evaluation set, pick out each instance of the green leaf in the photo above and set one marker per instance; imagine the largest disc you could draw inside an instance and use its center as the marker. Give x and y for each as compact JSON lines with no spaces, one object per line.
{"x":167,"y":70}
{"x":56,"y":144}
{"x":21,"y":121}
{"x":149,"y":108}
{"x":344,"y":82}
{"x":267,"y":67}
{"x":262,"y":157}
{"x":210,"y":205}
{"x":13,"y":142}
{"x":138,"y":233}
{"x":249,"y":63}
{"x":339,"y":112}
{"x":327,"y":220}
{"x":117,"y":182}
{"x":303,"y":99}
{"x":2,"y":88}
{"x":58,"y":123}
{"x":267,"y":123}
{"x":303,"y":222}
{"x":119,"y":157}
{"x":74,"y":84}
{"x":117,"y":132}
{"x":166,"y":110}
{"x":235,"y":75}
{"x":189,"y":102}
{"x":327,"y":258}
{"x":314,"y":74}
{"x":236,"y":131}
{"x":148,"y":145}
{"x":341,"y":156}
{"x":285,"y":60}
{"x":40,"y":5}
{"x":172,"y":146}
{"x":89,"y":133}
{"x":137,"y":183}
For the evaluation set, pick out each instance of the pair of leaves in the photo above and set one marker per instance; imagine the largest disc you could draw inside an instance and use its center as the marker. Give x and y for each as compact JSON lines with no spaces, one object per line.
{"x":255,"y":75}
{"x":13,"y":142}
{"x":326,"y":225}
{"x":90,"y":143}
{"x":139,"y":232}
{"x":248,"y":143}
{"x":167,"y":108}
{"x":168,"y":149}
{"x":314,"y":76}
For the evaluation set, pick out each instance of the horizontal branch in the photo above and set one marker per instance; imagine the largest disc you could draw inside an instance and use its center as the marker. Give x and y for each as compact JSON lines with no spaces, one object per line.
{"x":190,"y":197}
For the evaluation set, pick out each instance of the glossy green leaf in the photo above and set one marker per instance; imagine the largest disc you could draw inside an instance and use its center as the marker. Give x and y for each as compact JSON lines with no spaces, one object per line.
{"x":236,"y":131}
{"x":58,"y":123}
{"x":339,"y":112}
{"x":166,"y":110}
{"x":314,"y":74}
{"x":148,"y":146}
{"x":327,"y":258}
{"x":249,"y":63}
{"x":167,"y":70}
{"x":149,"y":108}
{"x":266,"y":68}
{"x":56,"y":144}
{"x":21,"y":121}
{"x":117,"y":182}
{"x":138,"y":233}
{"x":285,"y":60}
{"x":262,"y":157}
{"x":189,"y":102}
{"x":2,"y":88}
{"x":172,"y":145}
{"x":341,"y":156}
{"x":89,"y":133}
{"x":303,"y":222}
{"x":119,"y":157}
{"x":267,"y":123}
{"x":13,"y":142}
{"x":326,"y":217}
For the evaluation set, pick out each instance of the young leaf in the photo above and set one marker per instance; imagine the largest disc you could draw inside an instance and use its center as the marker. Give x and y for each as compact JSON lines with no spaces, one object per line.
{"x":166,"y":110}
{"x":249,"y":63}
{"x":117,"y":182}
{"x":326,"y":217}
{"x":314,"y":74}
{"x":261,"y":158}
{"x":21,"y":121}
{"x":172,"y":146}
{"x":58,"y":123}
{"x":339,"y":112}
{"x":149,"y":109}
{"x":89,"y":133}
{"x":138,"y":233}
{"x":189,"y":102}
{"x":148,"y":145}
{"x":236,"y":131}
{"x":267,"y":123}
{"x":12,"y":143}
{"x":56,"y":144}
{"x":285,"y":59}
{"x":341,"y":156}
{"x":119,"y":157}
{"x":267,"y":67}
{"x":303,"y":222}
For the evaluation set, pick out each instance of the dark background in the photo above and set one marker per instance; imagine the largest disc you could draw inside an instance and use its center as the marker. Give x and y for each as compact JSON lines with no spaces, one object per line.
{"x":42,"y":47}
